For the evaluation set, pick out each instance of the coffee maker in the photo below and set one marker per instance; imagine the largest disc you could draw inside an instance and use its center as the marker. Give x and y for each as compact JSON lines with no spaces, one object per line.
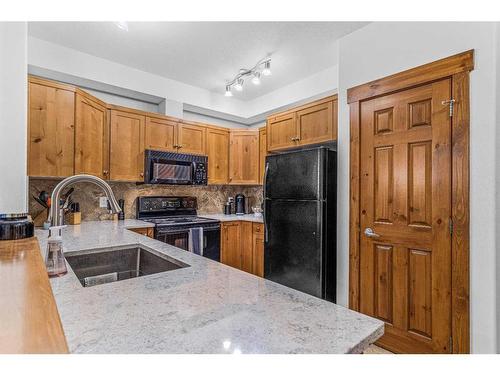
{"x":240,"y":204}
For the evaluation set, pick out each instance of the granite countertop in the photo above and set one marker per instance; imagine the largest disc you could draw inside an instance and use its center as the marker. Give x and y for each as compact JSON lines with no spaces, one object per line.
{"x":207,"y":307}
{"x":233,"y":217}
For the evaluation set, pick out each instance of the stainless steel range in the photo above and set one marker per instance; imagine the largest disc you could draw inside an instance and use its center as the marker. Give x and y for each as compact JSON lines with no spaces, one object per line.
{"x":177,"y":223}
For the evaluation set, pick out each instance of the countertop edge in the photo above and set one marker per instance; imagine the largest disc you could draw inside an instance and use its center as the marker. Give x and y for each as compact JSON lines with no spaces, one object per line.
{"x":29,"y":320}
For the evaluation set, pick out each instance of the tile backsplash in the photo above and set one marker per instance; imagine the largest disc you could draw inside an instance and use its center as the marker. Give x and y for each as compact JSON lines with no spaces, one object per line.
{"x":210,"y":198}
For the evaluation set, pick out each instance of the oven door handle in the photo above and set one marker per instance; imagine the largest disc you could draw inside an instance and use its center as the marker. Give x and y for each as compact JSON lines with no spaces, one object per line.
{"x":174,"y":231}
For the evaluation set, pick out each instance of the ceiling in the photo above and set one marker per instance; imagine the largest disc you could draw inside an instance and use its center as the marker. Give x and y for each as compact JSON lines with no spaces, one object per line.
{"x":207,"y":54}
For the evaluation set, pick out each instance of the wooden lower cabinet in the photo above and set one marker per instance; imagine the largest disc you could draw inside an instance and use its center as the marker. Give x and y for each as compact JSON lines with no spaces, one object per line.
{"x":242,"y":246}
{"x":258,"y":249}
{"x":150,"y":232}
{"x":246,"y":246}
{"x":230,"y":251}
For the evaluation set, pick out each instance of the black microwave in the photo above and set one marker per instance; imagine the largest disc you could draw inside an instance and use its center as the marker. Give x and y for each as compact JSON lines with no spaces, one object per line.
{"x":175,"y":169}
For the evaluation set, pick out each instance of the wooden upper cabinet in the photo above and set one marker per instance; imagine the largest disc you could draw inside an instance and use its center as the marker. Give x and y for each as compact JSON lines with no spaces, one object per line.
{"x":305,"y":125}
{"x":218,"y":156}
{"x":160,"y":134}
{"x":262,"y":153}
{"x":315,"y":124}
{"x":191,"y":138}
{"x":126,"y":146}
{"x":51,"y":129}
{"x":244,"y":157}
{"x":230,"y":243}
{"x":281,"y":132}
{"x":91,"y":136}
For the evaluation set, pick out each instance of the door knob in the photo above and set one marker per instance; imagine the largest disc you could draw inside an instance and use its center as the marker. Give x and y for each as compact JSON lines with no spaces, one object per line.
{"x":370,"y":233}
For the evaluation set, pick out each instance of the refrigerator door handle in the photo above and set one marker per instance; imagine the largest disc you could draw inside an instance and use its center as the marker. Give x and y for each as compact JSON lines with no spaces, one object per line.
{"x":264,"y":193}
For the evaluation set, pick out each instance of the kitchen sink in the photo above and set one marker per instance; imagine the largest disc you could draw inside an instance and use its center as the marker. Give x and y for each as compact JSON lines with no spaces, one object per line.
{"x":115,"y":264}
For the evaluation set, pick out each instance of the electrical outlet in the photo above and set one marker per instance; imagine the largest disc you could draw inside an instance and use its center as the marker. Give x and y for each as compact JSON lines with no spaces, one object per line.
{"x":103,"y":202}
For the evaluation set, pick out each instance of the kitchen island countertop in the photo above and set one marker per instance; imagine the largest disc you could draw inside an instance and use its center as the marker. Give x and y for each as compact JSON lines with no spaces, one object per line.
{"x":207,"y":307}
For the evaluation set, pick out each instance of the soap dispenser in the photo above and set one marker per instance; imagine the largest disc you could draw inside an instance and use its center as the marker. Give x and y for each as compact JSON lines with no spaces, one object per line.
{"x":54,"y":259}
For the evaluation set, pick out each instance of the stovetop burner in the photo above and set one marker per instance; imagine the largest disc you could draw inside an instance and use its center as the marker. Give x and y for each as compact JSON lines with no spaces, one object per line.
{"x":171,"y":211}
{"x":180,"y":220}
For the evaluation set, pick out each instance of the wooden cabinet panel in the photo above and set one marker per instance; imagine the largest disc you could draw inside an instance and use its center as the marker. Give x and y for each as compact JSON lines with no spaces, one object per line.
{"x":51,"y":131}
{"x":309,"y":124}
{"x":281,"y":132}
{"x":244,"y":158}
{"x":262,"y":153}
{"x":230,"y":243}
{"x":127,"y":146}
{"x":315,"y":124}
{"x":218,"y":156}
{"x":258,"y":249}
{"x":144,"y":231}
{"x":191,"y":138}
{"x":91,"y":137}
{"x":246,"y":245}
{"x":160,"y":134}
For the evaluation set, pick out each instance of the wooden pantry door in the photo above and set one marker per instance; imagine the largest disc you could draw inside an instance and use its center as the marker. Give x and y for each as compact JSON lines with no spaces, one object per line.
{"x":405,"y":210}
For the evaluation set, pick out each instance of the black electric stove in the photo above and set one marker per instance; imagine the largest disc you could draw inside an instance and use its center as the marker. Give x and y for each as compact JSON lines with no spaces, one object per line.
{"x":177,"y":223}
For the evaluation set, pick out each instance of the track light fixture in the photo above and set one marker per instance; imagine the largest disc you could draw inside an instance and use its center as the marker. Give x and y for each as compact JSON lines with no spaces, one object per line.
{"x":238,"y":86}
{"x":262,"y":68}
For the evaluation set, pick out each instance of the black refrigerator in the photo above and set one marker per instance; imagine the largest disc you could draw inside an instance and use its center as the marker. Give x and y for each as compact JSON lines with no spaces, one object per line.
{"x":300,"y":221}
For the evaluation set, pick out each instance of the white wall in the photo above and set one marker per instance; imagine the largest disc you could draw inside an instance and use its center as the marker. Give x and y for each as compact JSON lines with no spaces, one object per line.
{"x":13,"y":104}
{"x":380,"y":49}
{"x":497,"y":99}
{"x":315,"y":86}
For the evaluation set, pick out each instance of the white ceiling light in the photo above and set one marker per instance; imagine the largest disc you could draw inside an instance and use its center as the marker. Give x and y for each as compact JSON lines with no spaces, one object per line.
{"x":238,"y":86}
{"x":123,"y":25}
{"x":263,"y":67}
{"x":256,"y":78}
{"x":267,"y":68}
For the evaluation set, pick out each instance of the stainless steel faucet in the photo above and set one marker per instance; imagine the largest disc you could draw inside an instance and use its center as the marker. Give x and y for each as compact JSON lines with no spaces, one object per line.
{"x":55,"y":215}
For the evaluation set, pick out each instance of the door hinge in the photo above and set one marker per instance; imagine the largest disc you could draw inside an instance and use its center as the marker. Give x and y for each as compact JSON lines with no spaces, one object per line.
{"x":451,"y":226}
{"x":450,"y":103}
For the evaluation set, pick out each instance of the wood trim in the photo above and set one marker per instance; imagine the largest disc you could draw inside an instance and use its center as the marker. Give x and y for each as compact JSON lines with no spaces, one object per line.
{"x":460,"y":214}
{"x":462,"y":62}
{"x":304,"y":106}
{"x":457,"y":67}
{"x":47,"y":82}
{"x":90,"y":97}
{"x":29,"y":320}
{"x":354,"y":190}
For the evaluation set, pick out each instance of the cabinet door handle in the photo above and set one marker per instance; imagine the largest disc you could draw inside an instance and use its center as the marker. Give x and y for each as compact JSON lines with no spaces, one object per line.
{"x":141,"y":174}
{"x":105,"y":172}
